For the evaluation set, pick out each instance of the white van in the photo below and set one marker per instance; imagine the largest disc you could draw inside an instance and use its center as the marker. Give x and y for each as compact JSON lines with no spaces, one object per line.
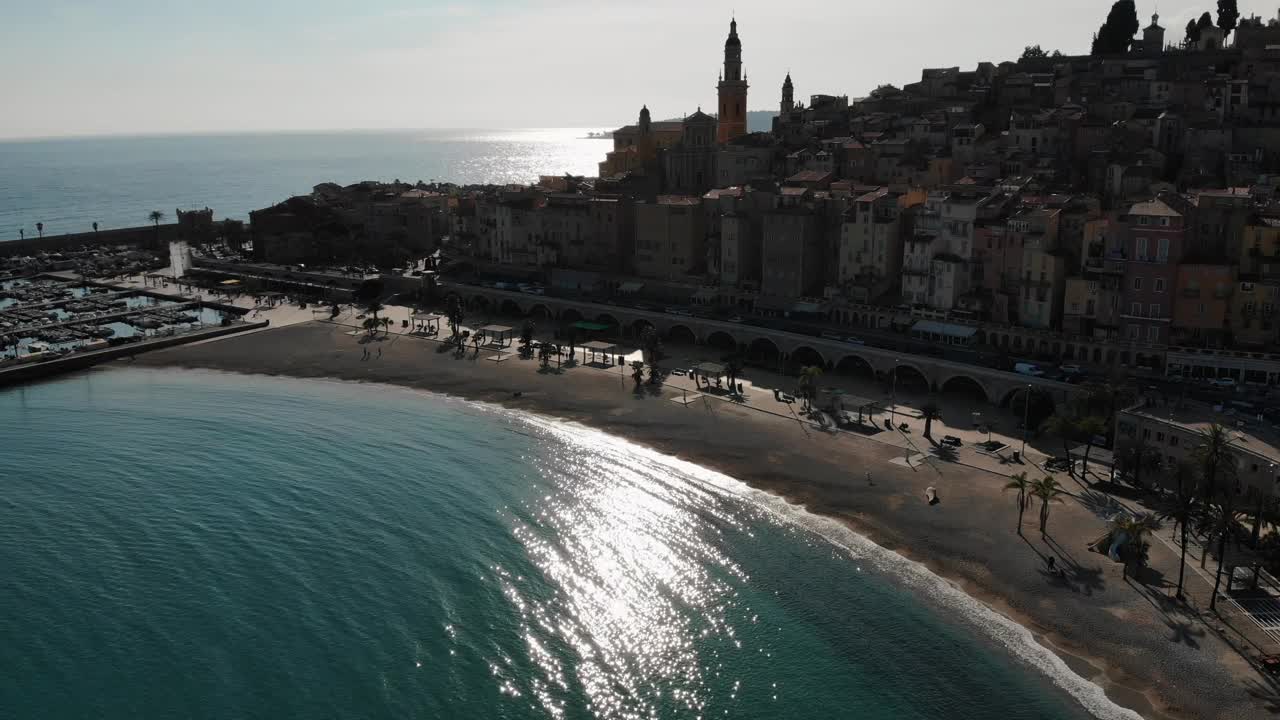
{"x":1028,"y":369}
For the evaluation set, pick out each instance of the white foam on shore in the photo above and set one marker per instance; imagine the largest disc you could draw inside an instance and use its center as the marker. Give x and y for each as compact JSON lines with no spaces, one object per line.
{"x":939,"y":592}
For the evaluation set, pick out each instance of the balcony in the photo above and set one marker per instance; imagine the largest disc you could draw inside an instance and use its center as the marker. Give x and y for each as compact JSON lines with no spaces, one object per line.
{"x":1101,"y":265}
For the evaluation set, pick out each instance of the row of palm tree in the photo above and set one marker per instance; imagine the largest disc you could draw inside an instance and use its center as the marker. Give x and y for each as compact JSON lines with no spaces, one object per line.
{"x":1046,"y":489}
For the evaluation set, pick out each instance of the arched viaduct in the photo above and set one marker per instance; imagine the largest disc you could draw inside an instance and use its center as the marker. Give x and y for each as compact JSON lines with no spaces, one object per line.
{"x":785,"y":348}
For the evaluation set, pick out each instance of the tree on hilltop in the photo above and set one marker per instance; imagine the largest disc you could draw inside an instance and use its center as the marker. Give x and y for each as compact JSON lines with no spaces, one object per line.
{"x":1193,"y":32}
{"x":1116,"y":33}
{"x":1031,"y":52}
{"x":1202,"y":24}
{"x":1228,"y":16}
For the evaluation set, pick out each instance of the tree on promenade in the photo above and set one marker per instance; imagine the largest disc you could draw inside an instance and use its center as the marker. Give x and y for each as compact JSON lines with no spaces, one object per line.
{"x":733,"y":367}
{"x":1063,"y":425}
{"x":1214,"y":453}
{"x":1136,"y":527}
{"x":1222,"y":522}
{"x":155,"y":216}
{"x":1135,"y":458}
{"x":526,"y":338}
{"x":454,"y":313}
{"x":651,"y":345}
{"x":1048,"y":491}
{"x":637,"y":372}
{"x":1088,"y":428}
{"x":1020,"y":483}
{"x":809,"y":376}
{"x":1183,"y":507}
{"x":930,"y":411}
{"x":386,"y":326}
{"x":373,"y":308}
{"x":1116,"y":33}
{"x":1228,"y":16}
{"x":40,"y":229}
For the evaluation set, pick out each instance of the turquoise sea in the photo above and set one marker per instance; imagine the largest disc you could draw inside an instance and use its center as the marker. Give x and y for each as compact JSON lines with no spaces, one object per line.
{"x":68,"y":184}
{"x":180,"y":544}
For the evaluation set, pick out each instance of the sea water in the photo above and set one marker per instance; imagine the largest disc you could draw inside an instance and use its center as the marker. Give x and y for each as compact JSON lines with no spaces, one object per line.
{"x":69,"y":184}
{"x":182,"y":544}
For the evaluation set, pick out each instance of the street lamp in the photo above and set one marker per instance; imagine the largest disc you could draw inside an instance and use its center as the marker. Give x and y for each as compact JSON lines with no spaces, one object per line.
{"x":893,"y":394}
{"x":1026,"y":412}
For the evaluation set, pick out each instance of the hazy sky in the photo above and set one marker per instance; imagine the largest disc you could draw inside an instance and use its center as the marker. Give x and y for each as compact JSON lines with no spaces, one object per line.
{"x":80,"y":67}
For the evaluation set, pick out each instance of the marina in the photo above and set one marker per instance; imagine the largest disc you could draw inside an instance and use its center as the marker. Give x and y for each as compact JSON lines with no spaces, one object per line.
{"x":46,"y":317}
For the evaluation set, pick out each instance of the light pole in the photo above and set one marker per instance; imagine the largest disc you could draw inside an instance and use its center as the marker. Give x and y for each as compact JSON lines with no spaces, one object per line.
{"x":1026,"y":412}
{"x":893,"y":395}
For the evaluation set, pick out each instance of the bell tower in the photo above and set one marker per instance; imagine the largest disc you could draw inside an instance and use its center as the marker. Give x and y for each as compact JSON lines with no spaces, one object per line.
{"x":732,"y":90}
{"x":788,"y":96}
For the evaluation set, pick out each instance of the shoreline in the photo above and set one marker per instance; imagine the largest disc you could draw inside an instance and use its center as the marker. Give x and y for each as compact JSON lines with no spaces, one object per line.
{"x":1097,"y":618}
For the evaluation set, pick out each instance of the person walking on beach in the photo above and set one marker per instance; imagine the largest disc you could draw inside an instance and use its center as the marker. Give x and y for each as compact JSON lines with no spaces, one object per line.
{"x":379,"y":352}
{"x":869,"y":481}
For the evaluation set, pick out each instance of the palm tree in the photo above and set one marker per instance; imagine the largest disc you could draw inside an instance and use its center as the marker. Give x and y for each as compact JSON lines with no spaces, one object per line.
{"x":1182,"y":508}
{"x":931,"y":411}
{"x":386,"y":326}
{"x":454,"y":312}
{"x":373,"y":308}
{"x":526,"y":337}
{"x":809,"y":376}
{"x":155,"y":216}
{"x":1215,"y":457}
{"x":1136,"y":527}
{"x":733,"y":367}
{"x":651,"y":344}
{"x":655,"y":374}
{"x":370,"y":325}
{"x":1064,"y":426}
{"x":1137,"y":457}
{"x":1048,"y":491}
{"x":544,"y":355}
{"x":40,"y":228}
{"x":1020,"y":483}
{"x":637,"y":372}
{"x":1223,"y":523}
{"x":1089,"y":427}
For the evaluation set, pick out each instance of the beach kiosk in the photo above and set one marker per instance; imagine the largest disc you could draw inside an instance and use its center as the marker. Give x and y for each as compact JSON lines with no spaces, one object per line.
{"x":496,"y":336}
{"x":599,"y":347}
{"x":427,"y":323}
{"x":709,"y":372}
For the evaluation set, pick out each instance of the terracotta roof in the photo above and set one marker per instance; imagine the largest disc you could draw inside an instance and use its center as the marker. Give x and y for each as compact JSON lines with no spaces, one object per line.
{"x":1154,"y":207}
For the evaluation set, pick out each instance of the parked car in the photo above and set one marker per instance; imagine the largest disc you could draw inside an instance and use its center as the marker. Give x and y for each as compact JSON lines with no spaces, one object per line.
{"x":1223,"y":382}
{"x":1031,"y":369}
{"x":735,"y":319}
{"x":1070,"y":369}
{"x":853,"y":340}
{"x":951,"y":440}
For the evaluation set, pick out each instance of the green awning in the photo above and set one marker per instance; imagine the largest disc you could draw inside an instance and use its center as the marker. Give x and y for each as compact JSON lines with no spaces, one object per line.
{"x":590,"y":326}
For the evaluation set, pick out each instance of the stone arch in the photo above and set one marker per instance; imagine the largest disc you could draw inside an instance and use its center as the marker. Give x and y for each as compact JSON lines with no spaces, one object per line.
{"x":967,"y":386}
{"x":678,"y":334}
{"x":805,"y":355}
{"x":909,"y":378}
{"x":722,"y":340}
{"x":449,"y":297}
{"x":541,"y":311}
{"x":764,"y":351}
{"x":855,"y":366}
{"x":510,"y":307}
{"x":611,"y":321}
{"x":639,"y":326}
{"x":569,"y":316}
{"x":478,"y":302}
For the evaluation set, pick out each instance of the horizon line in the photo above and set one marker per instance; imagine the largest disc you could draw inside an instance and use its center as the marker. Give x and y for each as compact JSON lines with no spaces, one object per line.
{"x":290,"y":131}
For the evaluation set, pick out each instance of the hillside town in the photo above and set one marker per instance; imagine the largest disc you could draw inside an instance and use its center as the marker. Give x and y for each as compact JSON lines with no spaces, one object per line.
{"x":1113,"y":207}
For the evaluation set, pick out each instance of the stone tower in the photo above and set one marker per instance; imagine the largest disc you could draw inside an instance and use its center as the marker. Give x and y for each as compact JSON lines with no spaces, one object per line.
{"x":788,"y":96}
{"x":1153,"y":37}
{"x":733,"y":90}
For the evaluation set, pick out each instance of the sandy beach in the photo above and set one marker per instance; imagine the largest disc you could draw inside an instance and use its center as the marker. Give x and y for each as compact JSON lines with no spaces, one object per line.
{"x":1128,"y":636}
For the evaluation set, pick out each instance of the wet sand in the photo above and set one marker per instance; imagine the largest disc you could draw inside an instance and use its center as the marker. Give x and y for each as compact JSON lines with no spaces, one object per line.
{"x":1146,"y":652}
